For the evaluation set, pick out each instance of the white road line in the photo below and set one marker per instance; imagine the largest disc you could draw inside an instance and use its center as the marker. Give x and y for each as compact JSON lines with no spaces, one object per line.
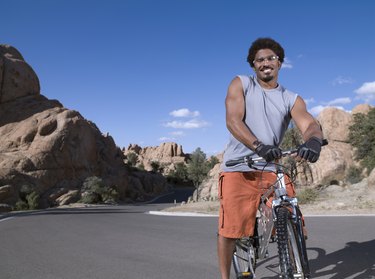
{"x":181,"y":214}
{"x":339,"y":215}
{"x":6,"y":219}
{"x":194,"y":214}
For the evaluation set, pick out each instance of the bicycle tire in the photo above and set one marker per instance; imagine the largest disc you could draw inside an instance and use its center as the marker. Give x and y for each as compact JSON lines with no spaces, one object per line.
{"x":302,"y":244}
{"x":244,"y":258}
{"x":291,"y":246}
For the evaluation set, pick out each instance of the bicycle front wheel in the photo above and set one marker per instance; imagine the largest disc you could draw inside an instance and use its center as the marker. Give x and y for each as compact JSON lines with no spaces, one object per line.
{"x":291,"y":246}
{"x":244,"y":259}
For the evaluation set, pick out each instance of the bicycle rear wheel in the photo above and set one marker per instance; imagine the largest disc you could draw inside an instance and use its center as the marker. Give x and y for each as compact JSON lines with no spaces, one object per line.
{"x":244,"y":259}
{"x":291,"y":246}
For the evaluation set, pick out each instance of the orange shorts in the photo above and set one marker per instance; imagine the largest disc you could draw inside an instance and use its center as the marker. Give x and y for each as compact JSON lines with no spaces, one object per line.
{"x":239,"y":194}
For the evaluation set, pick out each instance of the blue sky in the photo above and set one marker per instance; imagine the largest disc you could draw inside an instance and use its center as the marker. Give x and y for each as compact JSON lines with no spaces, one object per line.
{"x":149,"y":71}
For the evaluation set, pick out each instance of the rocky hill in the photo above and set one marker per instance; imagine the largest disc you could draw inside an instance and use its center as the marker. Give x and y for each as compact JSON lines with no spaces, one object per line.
{"x":49,"y":150}
{"x":167,"y":155}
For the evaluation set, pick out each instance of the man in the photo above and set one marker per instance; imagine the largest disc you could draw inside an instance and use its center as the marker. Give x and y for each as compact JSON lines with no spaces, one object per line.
{"x":258,"y":112}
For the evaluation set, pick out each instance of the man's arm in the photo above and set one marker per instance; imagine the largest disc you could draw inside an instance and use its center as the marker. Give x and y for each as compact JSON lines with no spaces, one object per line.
{"x":235,"y":113}
{"x":307,"y":125}
{"x":310,"y":130}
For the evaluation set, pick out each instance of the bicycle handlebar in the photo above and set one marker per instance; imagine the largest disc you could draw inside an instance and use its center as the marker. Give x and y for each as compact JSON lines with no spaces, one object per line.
{"x":249,"y":161}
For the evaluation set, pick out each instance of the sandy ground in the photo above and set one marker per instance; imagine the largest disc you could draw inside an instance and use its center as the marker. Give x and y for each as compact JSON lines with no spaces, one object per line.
{"x":356,"y":199}
{"x":333,"y":200}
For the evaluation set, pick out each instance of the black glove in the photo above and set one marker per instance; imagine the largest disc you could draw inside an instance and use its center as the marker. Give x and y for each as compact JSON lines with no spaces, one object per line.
{"x":268,"y":152}
{"x":310,"y":150}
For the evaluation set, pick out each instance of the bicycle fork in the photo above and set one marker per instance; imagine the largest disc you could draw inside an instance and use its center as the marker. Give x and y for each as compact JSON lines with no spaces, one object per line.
{"x":282,"y":198}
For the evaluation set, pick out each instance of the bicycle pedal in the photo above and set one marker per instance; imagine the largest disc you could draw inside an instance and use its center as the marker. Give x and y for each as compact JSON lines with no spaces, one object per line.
{"x":245,"y":275}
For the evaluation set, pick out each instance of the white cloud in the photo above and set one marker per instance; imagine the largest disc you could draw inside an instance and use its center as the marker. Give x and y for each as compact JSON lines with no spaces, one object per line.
{"x":366,"y":92}
{"x":287,"y":64}
{"x":184,"y":112}
{"x":174,"y":136}
{"x":339,"y":101}
{"x":191,"y":124}
{"x":166,"y":139}
{"x":309,"y":101}
{"x":341,"y":80}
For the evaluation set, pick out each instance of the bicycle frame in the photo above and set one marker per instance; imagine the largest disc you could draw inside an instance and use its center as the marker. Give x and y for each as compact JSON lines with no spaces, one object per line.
{"x":267,"y":215}
{"x":257,"y":245}
{"x":285,"y":216}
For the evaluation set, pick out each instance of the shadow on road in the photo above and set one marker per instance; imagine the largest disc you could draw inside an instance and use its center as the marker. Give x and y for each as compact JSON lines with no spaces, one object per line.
{"x":178,"y":195}
{"x":356,"y":260}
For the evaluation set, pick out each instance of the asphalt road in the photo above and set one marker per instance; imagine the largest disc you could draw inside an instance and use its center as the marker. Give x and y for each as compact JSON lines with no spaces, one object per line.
{"x":124,"y":242}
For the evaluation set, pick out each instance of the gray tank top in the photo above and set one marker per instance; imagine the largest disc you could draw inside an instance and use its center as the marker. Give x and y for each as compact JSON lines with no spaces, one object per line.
{"x":267,"y":114}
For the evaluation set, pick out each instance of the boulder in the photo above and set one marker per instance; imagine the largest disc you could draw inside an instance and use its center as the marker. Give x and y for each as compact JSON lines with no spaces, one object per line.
{"x":335,"y":123}
{"x":371,"y":180}
{"x":167,"y":154}
{"x":47,"y":146}
{"x":208,"y":190}
{"x":17,"y":78}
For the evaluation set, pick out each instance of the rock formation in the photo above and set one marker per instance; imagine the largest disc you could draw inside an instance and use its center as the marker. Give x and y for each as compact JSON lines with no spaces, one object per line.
{"x":167,"y":155}
{"x":45,"y":146}
{"x":337,"y":157}
{"x":50,"y":150}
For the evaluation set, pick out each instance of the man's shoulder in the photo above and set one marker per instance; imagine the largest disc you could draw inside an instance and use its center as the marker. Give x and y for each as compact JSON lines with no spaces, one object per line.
{"x":288,"y":92}
{"x":247,"y":82}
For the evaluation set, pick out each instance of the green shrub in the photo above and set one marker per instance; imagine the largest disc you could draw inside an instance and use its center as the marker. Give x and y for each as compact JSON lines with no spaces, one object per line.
{"x":33,"y":200}
{"x":292,"y":138}
{"x":307,"y":195}
{"x":94,"y":191}
{"x":212,"y":162}
{"x":21,"y":205}
{"x":354,"y":175}
{"x":197,"y":168}
{"x":29,"y":199}
{"x":132,"y":159}
{"x":179,"y":175}
{"x":141,"y":167}
{"x":110,"y":196}
{"x":91,"y":198}
{"x":155,"y":165}
{"x":362,"y":138}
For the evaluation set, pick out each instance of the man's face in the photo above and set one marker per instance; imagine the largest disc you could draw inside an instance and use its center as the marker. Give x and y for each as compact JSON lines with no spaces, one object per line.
{"x":266,"y":65}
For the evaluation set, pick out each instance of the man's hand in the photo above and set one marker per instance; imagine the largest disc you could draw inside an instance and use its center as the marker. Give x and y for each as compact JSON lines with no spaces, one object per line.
{"x":310,"y":150}
{"x":268,"y":152}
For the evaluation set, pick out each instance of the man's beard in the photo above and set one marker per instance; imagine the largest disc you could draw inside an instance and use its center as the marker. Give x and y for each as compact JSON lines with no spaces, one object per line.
{"x":267,"y":78}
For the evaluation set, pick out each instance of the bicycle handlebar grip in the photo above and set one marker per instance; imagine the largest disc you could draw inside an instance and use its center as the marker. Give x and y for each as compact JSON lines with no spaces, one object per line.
{"x":232,"y":163}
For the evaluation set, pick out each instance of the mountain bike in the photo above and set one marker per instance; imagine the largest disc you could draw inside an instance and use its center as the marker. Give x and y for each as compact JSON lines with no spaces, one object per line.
{"x":284,"y":217}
